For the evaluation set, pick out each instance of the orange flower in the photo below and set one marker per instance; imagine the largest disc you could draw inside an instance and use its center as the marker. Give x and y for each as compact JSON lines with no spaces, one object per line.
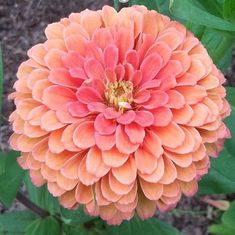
{"x":118,"y":112}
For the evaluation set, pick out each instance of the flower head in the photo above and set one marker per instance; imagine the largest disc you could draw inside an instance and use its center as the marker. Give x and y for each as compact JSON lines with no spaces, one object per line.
{"x":118,"y":112}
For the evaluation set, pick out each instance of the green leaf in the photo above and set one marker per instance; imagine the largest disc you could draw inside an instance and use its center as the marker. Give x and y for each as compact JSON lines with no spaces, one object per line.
{"x":116,"y":4}
{"x":228,"y":217}
{"x":214,"y":7}
{"x":146,"y":227}
{"x":1,"y":80}
{"x":221,"y":176}
{"x":230,"y":121}
{"x":227,"y":226}
{"x":11,"y":179}
{"x":229,"y":10}
{"x":218,"y":43}
{"x":14,"y":223}
{"x":74,"y":217}
{"x":188,"y":10}
{"x":41,"y":196}
{"x":221,"y":230}
{"x":45,"y":226}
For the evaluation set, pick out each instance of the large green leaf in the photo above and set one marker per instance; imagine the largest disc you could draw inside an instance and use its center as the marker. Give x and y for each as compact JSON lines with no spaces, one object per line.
{"x":227,"y":226}
{"x":221,"y":177}
{"x":74,"y":217}
{"x":218,"y":44}
{"x":41,"y":197}
{"x":152,"y":5}
{"x":229,"y":10}
{"x":10,"y":179}
{"x":14,"y":223}
{"x":1,"y":81}
{"x":146,"y":227}
{"x":188,"y":10}
{"x":44,"y":226}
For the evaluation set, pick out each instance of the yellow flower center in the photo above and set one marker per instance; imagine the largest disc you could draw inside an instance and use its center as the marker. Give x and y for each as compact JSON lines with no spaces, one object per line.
{"x":119,"y":94}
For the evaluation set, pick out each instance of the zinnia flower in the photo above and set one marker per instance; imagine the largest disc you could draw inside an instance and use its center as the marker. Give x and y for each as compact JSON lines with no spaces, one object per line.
{"x":118,"y":112}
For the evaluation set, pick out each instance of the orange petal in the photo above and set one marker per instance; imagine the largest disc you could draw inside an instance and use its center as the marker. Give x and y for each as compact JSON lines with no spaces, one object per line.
{"x":84,"y":135}
{"x":187,"y":173}
{"x":55,"y":144}
{"x":54,"y":189}
{"x":145,"y":207}
{"x":126,"y":173}
{"x":183,"y":115}
{"x":95,"y":164}
{"x":123,"y":143}
{"x":117,"y":187}
{"x":152,"y":191}
{"x":68,"y":200}
{"x":48,"y":173}
{"x":153,"y":144}
{"x":54,"y":31}
{"x":171,"y":190}
{"x":189,"y":188}
{"x":145,"y":162}
{"x":182,"y":160}
{"x":83,"y":193}
{"x":71,"y":167}
{"x":170,"y":173}
{"x":107,"y":191}
{"x":57,"y":161}
{"x":40,"y":150}
{"x":50,"y":122}
{"x":157,"y":173}
{"x":27,"y":144}
{"x":172,"y":136}
{"x":65,"y":183}
{"x":130,"y":197}
{"x":114,"y":158}
{"x":84,"y":176}
{"x":36,"y":178}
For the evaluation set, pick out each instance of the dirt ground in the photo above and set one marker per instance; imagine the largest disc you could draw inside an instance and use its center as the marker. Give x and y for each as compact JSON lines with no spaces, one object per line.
{"x":22,"y":24}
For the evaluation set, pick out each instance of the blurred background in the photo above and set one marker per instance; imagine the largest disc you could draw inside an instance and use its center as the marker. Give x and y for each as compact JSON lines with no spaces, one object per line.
{"x":22,"y":24}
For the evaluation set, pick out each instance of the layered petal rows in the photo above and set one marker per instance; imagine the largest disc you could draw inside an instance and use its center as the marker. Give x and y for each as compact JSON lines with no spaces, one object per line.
{"x":119,"y":112}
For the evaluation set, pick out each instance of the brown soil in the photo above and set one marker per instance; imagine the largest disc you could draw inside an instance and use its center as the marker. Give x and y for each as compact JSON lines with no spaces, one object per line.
{"x":22,"y":24}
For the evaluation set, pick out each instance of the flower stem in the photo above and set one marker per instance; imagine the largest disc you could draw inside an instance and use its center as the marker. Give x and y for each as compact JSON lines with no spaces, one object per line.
{"x":32,"y":206}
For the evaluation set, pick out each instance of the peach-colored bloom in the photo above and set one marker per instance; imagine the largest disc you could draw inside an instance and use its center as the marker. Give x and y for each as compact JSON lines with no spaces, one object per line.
{"x":118,"y":112}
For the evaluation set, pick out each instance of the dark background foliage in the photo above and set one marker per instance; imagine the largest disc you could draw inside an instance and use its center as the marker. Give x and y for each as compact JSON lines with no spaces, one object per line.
{"x":22,"y":24}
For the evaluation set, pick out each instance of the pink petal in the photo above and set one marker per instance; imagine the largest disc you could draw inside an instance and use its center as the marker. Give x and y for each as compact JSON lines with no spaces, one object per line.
{"x":162,"y":49}
{"x":132,"y":58}
{"x":102,"y":38}
{"x":145,"y":162}
{"x":144,"y":118}
{"x":72,"y":60}
{"x":158,"y":99}
{"x":77,"y":109}
{"x":94,"y":69}
{"x":62,"y":77}
{"x":104,"y":126}
{"x":76,"y":43}
{"x":135,"y":133}
{"x":110,"y":52}
{"x":172,"y":136}
{"x":114,"y":158}
{"x":142,"y":96}
{"x":104,"y":142}
{"x":150,"y":67}
{"x":125,"y":174}
{"x":153,"y":144}
{"x":97,"y":107}
{"x":88,"y":94}
{"x":176,"y":100}
{"x":162,"y":116}
{"x":53,"y":59}
{"x":95,"y":164}
{"x":127,"y":117}
{"x":124,"y":40}
{"x":84,"y":135}
{"x":123,"y":143}
{"x":56,"y":96}
{"x":111,"y":113}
